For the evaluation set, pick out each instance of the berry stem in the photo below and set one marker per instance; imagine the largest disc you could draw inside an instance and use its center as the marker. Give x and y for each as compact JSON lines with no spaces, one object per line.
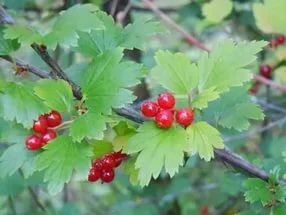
{"x":64,"y":125}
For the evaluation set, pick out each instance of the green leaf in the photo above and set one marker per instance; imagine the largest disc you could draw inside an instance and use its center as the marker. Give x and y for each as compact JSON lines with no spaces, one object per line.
{"x":133,"y":36}
{"x":203,"y":140}
{"x":12,"y":159}
{"x":60,"y":158}
{"x":77,"y":18}
{"x":106,"y":79}
{"x":136,"y":35}
{"x":25,"y":35}
{"x":7,"y":46}
{"x":19,"y":103}
{"x":234,"y":110}
{"x":201,"y":100}
{"x":101,"y":147}
{"x":257,"y":190}
{"x":12,"y":133}
{"x":216,"y":10}
{"x":56,"y":94}
{"x":175,"y":72}
{"x":270,"y":16}
{"x":89,"y":125}
{"x":226,"y":65}
{"x":131,"y":171}
{"x":157,"y":148}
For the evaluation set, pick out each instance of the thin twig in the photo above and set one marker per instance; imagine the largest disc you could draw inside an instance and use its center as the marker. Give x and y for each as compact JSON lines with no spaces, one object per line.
{"x":270,"y":83}
{"x":113,"y":7}
{"x":171,"y":23}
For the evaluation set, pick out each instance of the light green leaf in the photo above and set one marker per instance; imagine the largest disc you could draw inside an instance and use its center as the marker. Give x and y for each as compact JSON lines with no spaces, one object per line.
{"x":216,"y":10}
{"x":56,"y":94}
{"x":11,"y":132}
{"x":77,"y":18}
{"x":226,"y":65}
{"x":26,"y":35}
{"x":201,"y":100}
{"x":270,"y":16}
{"x":137,"y":34}
{"x":175,"y":72}
{"x":157,"y":148}
{"x":204,"y":139}
{"x":61,"y":157}
{"x":234,"y":110}
{"x":19,"y":103}
{"x":131,"y":171}
{"x":106,"y":79}
{"x":89,"y":125}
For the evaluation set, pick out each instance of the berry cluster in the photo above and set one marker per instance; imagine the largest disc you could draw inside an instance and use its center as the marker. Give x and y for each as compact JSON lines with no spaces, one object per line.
{"x":277,"y":41}
{"x":103,"y":168}
{"x":163,"y":111}
{"x":43,"y":130}
{"x":265,"y":71}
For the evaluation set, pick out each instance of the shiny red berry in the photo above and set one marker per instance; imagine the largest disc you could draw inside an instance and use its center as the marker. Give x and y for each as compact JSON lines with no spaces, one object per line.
{"x":265,"y":70}
{"x":184,"y":116}
{"x":119,"y":157}
{"x":49,"y":135}
{"x":280,"y":39}
{"x":164,"y":119}
{"x":54,"y":119}
{"x":34,"y":142}
{"x":108,"y":161}
{"x":41,"y":125}
{"x":97,"y":164}
{"x":107,"y":175}
{"x":93,"y":175}
{"x":166,"y":101}
{"x":149,"y":108}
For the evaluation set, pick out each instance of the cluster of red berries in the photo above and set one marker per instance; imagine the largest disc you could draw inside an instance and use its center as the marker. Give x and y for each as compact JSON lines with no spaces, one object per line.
{"x":265,"y":71}
{"x":163,"y":111}
{"x":277,"y":41}
{"x":44,"y":132}
{"x":103,"y":168}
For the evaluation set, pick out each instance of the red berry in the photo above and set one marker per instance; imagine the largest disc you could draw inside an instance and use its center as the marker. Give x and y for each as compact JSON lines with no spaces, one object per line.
{"x":54,"y":119}
{"x":265,"y":70}
{"x":166,"y":101}
{"x":93,"y":175}
{"x":41,"y":125}
{"x":280,"y":39}
{"x":34,"y":142}
{"x":108,"y":161}
{"x":50,"y":135}
{"x":184,"y":116}
{"x":107,"y":175}
{"x":118,"y":156}
{"x":149,"y":109}
{"x":97,"y":164}
{"x":164,"y":119}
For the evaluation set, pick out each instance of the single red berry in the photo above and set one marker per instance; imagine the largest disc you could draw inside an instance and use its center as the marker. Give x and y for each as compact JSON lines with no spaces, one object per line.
{"x":54,"y":119}
{"x":119,"y":157}
{"x":280,"y":39}
{"x":205,"y":210}
{"x":166,"y":101}
{"x":93,"y":175}
{"x":265,"y":70}
{"x":149,"y":108}
{"x":164,"y":119}
{"x":97,"y":164}
{"x":41,"y":125}
{"x":108,"y":161}
{"x":33,"y":142}
{"x":107,"y":175}
{"x":184,"y":117}
{"x":48,"y":136}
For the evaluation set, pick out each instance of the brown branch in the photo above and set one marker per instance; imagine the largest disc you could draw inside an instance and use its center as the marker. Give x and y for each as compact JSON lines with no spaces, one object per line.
{"x":56,"y":69}
{"x":188,"y":37}
{"x":270,"y":83}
